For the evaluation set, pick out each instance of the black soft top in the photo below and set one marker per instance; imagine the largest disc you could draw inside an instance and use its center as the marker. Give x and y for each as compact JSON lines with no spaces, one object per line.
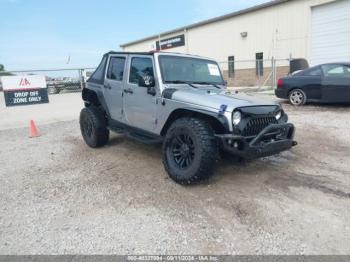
{"x":101,"y":69}
{"x":128,"y":53}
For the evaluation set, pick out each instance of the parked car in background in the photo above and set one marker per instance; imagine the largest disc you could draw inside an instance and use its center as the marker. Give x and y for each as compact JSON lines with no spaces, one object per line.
{"x":328,"y":83}
{"x":56,"y":85}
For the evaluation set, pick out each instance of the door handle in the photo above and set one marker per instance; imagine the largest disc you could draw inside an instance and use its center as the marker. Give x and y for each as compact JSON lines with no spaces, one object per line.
{"x":128,"y":91}
{"x":107,"y":86}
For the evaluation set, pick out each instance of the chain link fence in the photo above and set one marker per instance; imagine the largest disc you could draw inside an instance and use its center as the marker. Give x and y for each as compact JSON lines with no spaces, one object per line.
{"x":58,"y":80}
{"x":254,"y":74}
{"x":247,"y":74}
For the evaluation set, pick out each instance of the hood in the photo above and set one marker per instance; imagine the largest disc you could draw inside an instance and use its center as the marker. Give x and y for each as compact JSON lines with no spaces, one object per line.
{"x":214,"y":98}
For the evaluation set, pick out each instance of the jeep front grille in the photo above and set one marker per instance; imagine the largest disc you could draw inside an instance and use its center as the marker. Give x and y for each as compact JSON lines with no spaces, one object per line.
{"x":256,"y":125}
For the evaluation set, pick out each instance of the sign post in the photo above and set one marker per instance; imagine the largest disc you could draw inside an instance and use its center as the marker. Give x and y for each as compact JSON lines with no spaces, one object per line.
{"x":24,"y":90}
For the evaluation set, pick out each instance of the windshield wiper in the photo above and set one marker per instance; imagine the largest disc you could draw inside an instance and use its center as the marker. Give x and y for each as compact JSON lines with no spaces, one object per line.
{"x":180,"y":82}
{"x":207,"y":83}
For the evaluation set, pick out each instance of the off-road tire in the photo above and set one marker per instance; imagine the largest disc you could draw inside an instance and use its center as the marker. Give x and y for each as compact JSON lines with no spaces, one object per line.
{"x":93,"y":127}
{"x":204,"y":146}
{"x":297,"y":97}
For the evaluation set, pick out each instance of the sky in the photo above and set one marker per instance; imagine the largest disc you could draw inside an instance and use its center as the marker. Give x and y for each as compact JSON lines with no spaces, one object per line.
{"x":42,"y":34}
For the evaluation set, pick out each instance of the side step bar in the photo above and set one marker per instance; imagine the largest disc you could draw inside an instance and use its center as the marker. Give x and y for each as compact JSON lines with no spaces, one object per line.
{"x":139,"y":136}
{"x":145,"y":139}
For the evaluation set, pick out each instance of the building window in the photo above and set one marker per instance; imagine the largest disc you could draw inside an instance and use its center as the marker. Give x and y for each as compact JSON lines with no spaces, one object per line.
{"x":231,"y":66}
{"x":259,"y":64}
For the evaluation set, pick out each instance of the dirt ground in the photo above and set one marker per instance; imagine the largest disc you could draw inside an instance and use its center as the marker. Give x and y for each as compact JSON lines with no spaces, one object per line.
{"x":58,"y":196}
{"x":63,"y":107}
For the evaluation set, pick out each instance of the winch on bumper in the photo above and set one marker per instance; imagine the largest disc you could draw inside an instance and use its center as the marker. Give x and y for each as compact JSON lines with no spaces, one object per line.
{"x":273,"y":139}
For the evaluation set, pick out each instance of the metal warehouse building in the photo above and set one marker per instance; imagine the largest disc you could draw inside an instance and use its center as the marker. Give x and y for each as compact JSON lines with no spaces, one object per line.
{"x":250,"y":42}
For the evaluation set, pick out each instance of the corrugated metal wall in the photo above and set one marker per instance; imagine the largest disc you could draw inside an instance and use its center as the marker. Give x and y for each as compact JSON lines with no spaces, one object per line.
{"x":280,"y":31}
{"x":331,"y":33}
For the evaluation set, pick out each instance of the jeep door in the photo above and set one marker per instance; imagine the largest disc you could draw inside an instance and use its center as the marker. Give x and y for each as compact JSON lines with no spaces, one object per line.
{"x":139,"y":106}
{"x":113,"y":85}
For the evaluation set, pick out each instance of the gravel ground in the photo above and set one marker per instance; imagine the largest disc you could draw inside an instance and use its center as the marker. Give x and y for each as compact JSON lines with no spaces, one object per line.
{"x":58,"y":196}
{"x":63,"y":107}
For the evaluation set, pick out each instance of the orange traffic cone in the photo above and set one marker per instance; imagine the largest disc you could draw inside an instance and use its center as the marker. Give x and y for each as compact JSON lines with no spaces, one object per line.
{"x":33,"y":130}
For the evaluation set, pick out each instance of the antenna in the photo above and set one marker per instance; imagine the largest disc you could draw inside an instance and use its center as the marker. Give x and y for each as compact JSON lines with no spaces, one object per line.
{"x":160,"y":45}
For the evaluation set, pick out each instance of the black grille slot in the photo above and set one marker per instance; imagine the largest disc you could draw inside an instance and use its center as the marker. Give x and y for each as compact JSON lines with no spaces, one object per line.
{"x":256,"y":125}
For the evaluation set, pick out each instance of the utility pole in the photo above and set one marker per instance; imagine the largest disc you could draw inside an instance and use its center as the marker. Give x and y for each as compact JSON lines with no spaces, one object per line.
{"x":186,"y":40}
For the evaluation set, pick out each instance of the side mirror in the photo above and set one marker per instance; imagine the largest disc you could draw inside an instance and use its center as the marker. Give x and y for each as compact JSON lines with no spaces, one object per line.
{"x":148,"y":82}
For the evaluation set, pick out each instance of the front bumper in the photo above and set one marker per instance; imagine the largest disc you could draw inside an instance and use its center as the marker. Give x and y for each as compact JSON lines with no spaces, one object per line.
{"x":272,"y":140}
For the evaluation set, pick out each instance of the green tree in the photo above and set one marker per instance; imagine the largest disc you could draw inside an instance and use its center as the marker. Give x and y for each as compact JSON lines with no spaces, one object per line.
{"x":3,"y":72}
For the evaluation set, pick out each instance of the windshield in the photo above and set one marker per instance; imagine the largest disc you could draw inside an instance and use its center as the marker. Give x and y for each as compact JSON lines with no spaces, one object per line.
{"x":178,"y":69}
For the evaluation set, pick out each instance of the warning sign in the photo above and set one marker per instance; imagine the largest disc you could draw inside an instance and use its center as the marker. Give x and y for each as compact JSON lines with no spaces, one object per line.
{"x":24,"y":90}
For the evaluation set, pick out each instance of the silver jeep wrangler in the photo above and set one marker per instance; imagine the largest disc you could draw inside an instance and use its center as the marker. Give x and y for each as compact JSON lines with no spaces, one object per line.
{"x":181,"y":101}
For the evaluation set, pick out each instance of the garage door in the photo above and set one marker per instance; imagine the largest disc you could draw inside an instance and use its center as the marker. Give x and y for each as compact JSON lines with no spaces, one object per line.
{"x":330,"y":38}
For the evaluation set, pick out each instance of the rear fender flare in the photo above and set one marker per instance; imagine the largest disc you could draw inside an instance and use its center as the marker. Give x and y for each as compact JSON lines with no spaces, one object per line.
{"x":95,"y":97}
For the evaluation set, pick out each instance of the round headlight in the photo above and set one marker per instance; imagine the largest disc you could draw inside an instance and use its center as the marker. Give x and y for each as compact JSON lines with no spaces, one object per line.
{"x":236,"y":118}
{"x":279,"y":115}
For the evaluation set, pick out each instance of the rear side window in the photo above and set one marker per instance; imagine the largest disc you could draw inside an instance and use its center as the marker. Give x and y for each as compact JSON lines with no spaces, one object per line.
{"x":336,"y":70}
{"x":140,"y":67}
{"x":347,"y":69}
{"x":98,"y":75}
{"x":313,"y":72}
{"x":116,"y":68}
